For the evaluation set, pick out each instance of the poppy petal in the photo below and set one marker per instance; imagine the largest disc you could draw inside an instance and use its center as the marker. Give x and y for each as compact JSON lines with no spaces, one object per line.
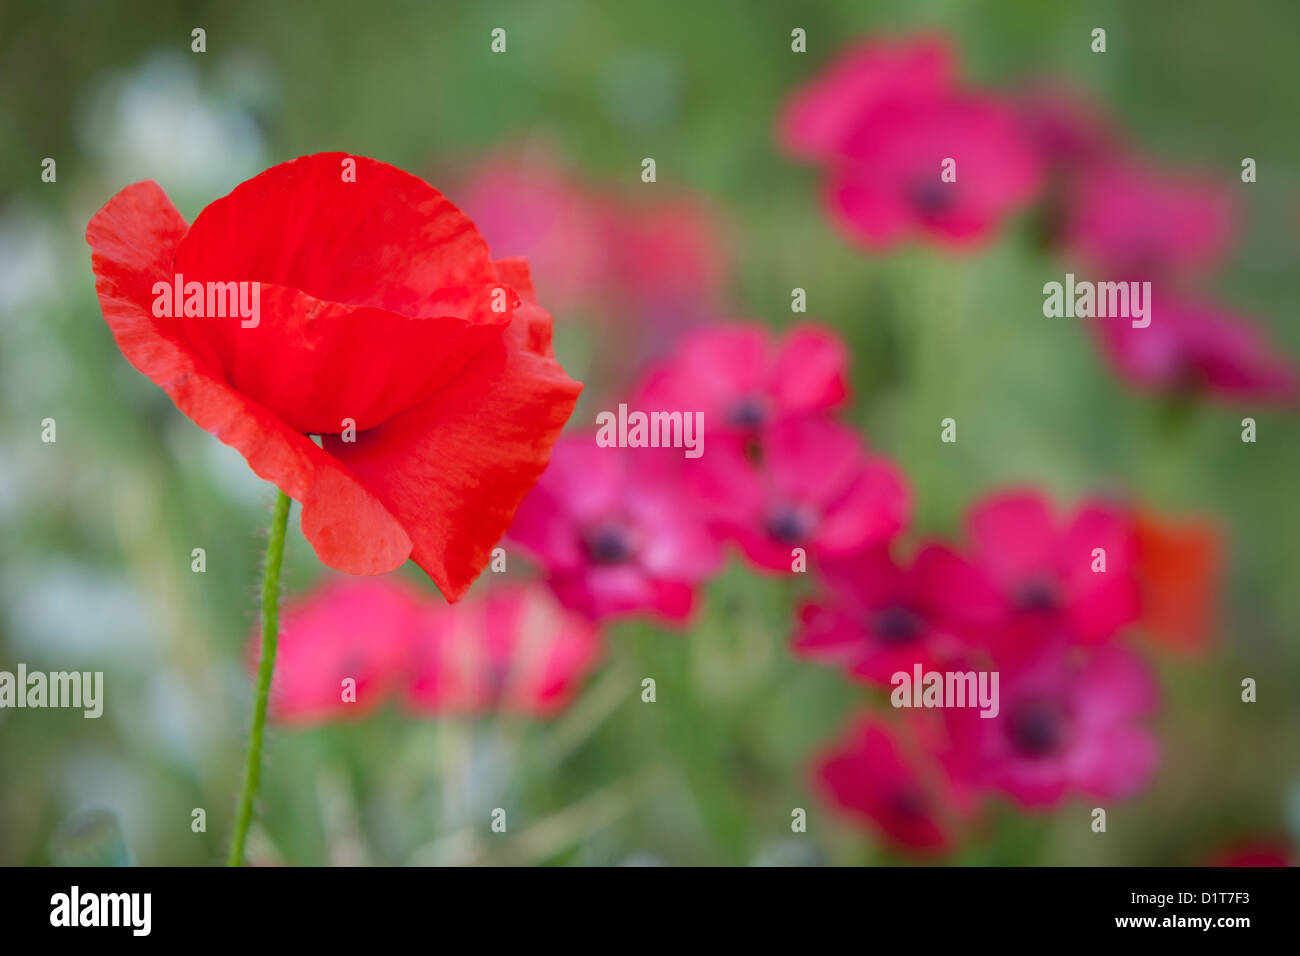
{"x":133,"y":241}
{"x":454,"y":468}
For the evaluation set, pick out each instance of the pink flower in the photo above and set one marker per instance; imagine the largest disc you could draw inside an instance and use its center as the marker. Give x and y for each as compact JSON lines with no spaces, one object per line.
{"x":813,"y":486}
{"x":667,"y":261}
{"x":647,"y":271}
{"x":356,"y":629}
{"x":741,"y":378}
{"x":819,"y":117}
{"x":1199,"y":348}
{"x":1050,"y":573}
{"x":887,"y":186}
{"x":528,"y":206}
{"x":912,"y":803}
{"x":1065,"y":725}
{"x":886,"y":120}
{"x":1069,"y":131}
{"x":615,"y":533}
{"x":1257,"y":852}
{"x":1140,"y":222}
{"x":879,"y":617}
{"x":514,"y":649}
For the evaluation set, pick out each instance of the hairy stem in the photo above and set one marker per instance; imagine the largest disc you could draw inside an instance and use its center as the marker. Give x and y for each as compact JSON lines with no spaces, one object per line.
{"x":270,"y":635}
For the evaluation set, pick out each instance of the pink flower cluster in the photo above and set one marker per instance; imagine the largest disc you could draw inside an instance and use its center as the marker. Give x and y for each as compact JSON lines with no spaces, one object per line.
{"x":354,"y":644}
{"x":910,"y":152}
{"x":1042,"y":599}
{"x":638,"y":530}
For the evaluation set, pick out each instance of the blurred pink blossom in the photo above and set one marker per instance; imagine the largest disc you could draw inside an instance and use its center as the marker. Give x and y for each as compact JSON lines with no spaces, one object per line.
{"x":887,"y":122}
{"x":1069,"y":131}
{"x":349,"y":628}
{"x":910,"y":800}
{"x":528,"y":206}
{"x":615,"y":532}
{"x":818,"y":118}
{"x":1198,"y":347}
{"x":1067,"y":724}
{"x":879,"y":617}
{"x":1045,"y":568}
{"x":806,"y":483}
{"x":742,"y":377}
{"x":1140,"y":222}
{"x":513,"y":649}
{"x":886,"y":187}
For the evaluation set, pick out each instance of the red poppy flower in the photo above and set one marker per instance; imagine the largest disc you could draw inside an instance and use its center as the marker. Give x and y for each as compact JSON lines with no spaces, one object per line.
{"x":1179,"y":565}
{"x":379,"y":307}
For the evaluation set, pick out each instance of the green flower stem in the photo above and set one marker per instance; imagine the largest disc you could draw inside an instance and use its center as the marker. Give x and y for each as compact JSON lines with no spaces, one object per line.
{"x":270,"y":636}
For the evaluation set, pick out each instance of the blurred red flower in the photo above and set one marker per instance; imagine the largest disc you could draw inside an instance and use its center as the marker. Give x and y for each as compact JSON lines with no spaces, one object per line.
{"x":1049,"y":572}
{"x":879,"y":617}
{"x":347,"y":629}
{"x":1067,"y":723}
{"x":377,"y":303}
{"x":1259,"y":852}
{"x":741,"y":378}
{"x":1179,"y":565}
{"x":911,"y":801}
{"x":812,"y":484}
{"x":1200,"y":349}
{"x":514,"y":649}
{"x":615,"y":532}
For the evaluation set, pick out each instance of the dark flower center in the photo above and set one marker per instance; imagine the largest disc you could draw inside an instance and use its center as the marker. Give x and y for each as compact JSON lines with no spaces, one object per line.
{"x":1038,"y":727}
{"x":897,"y":625}
{"x":789,"y":524}
{"x":608,"y":543}
{"x":1037,"y":595}
{"x":930,"y":197}
{"x":909,"y":802}
{"x":747,"y":413}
